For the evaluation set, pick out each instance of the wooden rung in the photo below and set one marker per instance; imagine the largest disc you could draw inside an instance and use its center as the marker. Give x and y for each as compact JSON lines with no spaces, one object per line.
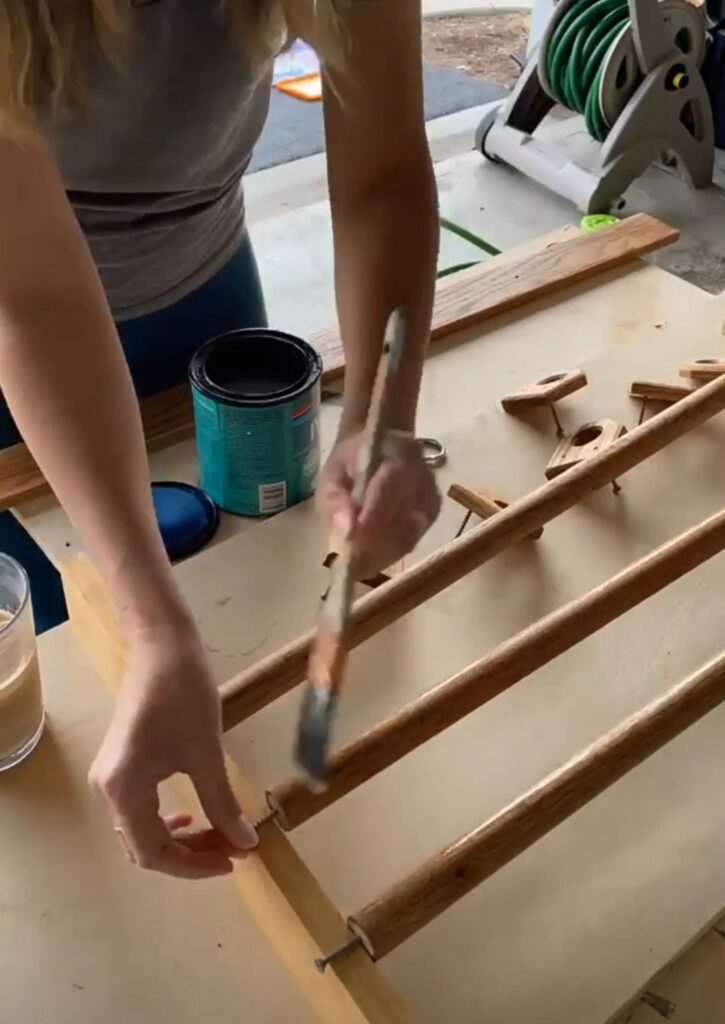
{"x":483,"y":502}
{"x":659,"y":391}
{"x":282,"y":895}
{"x":444,"y":879}
{"x":528,"y":651}
{"x":703,"y":369}
{"x":545,"y":392}
{"x":589,"y":440}
{"x":270,"y":678}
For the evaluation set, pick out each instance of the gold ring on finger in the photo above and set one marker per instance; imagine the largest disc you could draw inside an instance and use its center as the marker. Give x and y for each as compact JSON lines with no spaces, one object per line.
{"x":125,"y":845}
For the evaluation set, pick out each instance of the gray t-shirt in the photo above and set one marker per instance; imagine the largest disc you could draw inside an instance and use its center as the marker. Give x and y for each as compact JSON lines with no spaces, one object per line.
{"x":153,"y":161}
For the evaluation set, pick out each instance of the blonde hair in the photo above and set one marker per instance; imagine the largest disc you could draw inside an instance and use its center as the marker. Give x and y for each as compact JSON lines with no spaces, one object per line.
{"x":43,"y":43}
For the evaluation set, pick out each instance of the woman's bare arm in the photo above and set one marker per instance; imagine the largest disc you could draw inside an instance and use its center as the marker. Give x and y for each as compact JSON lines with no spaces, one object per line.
{"x":383,"y":195}
{"x":63,"y":374}
{"x":385,"y":226}
{"x":65,"y":380}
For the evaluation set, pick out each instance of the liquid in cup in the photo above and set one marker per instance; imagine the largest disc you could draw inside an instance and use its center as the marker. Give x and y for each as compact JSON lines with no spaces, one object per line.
{"x":21,"y":699}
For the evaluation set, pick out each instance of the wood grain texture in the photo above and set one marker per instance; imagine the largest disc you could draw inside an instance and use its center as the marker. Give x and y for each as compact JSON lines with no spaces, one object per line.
{"x":167,"y":418}
{"x":447,"y":877}
{"x":253,"y":689}
{"x":703,"y":369}
{"x":529,"y":650}
{"x":660,"y":391}
{"x":500,"y":284}
{"x":589,"y":440}
{"x":280,"y":892}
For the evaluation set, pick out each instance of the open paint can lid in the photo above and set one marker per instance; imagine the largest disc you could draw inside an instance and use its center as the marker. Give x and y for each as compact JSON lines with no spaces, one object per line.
{"x":187,"y":518}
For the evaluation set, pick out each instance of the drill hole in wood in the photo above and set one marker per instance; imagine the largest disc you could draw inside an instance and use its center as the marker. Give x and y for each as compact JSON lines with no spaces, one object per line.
{"x":552,"y":379}
{"x":586,"y":435}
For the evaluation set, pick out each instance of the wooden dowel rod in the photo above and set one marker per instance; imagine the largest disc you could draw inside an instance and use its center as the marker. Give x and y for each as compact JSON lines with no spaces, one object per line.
{"x":249,"y":692}
{"x":499,"y":670}
{"x":444,"y":879}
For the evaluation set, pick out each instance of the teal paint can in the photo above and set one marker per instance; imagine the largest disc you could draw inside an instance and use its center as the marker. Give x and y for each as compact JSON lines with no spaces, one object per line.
{"x":256,"y":397}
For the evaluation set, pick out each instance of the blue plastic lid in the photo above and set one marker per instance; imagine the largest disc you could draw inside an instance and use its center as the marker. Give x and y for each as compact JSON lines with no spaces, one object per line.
{"x":187,"y":518}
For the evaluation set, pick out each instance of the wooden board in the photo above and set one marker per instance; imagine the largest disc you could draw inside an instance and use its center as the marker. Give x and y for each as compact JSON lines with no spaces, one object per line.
{"x":479,"y":293}
{"x":613,"y":889}
{"x":508,"y":281}
{"x":278,"y":890}
{"x":167,"y":418}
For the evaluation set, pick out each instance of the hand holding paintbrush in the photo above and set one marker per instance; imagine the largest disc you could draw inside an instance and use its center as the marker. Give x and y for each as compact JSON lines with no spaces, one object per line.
{"x":328,"y":656}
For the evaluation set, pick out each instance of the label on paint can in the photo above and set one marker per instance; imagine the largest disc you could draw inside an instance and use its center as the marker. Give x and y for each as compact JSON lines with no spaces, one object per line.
{"x":259,"y":459}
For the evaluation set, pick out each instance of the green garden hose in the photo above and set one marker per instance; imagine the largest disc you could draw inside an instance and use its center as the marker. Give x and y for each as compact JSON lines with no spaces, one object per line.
{"x":480,"y":243}
{"x":576,"y":57}
{"x":469,"y":236}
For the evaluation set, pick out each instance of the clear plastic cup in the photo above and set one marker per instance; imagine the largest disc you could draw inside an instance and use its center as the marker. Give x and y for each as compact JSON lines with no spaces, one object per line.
{"x":21,"y":699}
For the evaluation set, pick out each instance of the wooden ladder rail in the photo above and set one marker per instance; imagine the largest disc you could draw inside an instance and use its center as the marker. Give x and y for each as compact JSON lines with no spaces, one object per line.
{"x":279,"y":891}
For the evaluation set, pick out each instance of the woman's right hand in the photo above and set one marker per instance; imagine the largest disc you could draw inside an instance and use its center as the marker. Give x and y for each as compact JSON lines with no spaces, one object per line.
{"x":168,"y":720}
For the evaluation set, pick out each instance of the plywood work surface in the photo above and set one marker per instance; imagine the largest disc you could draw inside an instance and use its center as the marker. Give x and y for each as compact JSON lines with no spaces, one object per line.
{"x":577,"y":926}
{"x":693,"y":987}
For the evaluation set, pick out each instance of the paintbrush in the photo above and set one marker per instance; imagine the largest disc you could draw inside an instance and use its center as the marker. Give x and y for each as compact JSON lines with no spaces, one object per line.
{"x":328,"y":654}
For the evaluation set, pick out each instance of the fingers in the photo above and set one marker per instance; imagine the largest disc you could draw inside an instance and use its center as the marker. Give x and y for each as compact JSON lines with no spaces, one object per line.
{"x":401,"y":503}
{"x":147,"y":839}
{"x":385,"y":498}
{"x":177,"y":821}
{"x":207,"y":839}
{"x":220,"y":804}
{"x":151,"y":844}
{"x":334,"y":493}
{"x":335,"y":500}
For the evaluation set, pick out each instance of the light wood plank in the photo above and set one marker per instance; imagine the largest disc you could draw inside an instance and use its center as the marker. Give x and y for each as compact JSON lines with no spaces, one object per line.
{"x":280,"y":892}
{"x":509,"y":281}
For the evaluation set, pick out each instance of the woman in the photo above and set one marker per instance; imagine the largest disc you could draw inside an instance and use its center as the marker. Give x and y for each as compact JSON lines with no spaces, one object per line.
{"x":121,"y":214}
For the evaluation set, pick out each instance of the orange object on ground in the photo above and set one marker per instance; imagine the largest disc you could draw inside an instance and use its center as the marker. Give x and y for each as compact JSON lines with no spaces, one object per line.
{"x":306,"y":87}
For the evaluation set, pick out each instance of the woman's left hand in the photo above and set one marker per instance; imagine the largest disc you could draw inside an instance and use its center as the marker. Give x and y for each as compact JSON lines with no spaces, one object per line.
{"x":401,"y":503}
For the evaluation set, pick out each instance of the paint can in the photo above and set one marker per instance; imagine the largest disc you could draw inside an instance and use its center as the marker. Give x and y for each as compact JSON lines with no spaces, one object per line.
{"x":256,"y":397}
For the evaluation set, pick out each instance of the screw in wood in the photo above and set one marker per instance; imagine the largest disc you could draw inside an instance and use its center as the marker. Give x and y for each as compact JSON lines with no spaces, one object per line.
{"x":464,"y":524}
{"x":557,"y":421}
{"x":269,"y":815}
{"x":664,"y":1007}
{"x":349,"y":947}
{"x":616,"y":487}
{"x":642,"y":411}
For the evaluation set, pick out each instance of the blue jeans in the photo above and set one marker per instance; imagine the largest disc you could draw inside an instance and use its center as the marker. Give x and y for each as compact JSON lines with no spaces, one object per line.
{"x":158,"y":348}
